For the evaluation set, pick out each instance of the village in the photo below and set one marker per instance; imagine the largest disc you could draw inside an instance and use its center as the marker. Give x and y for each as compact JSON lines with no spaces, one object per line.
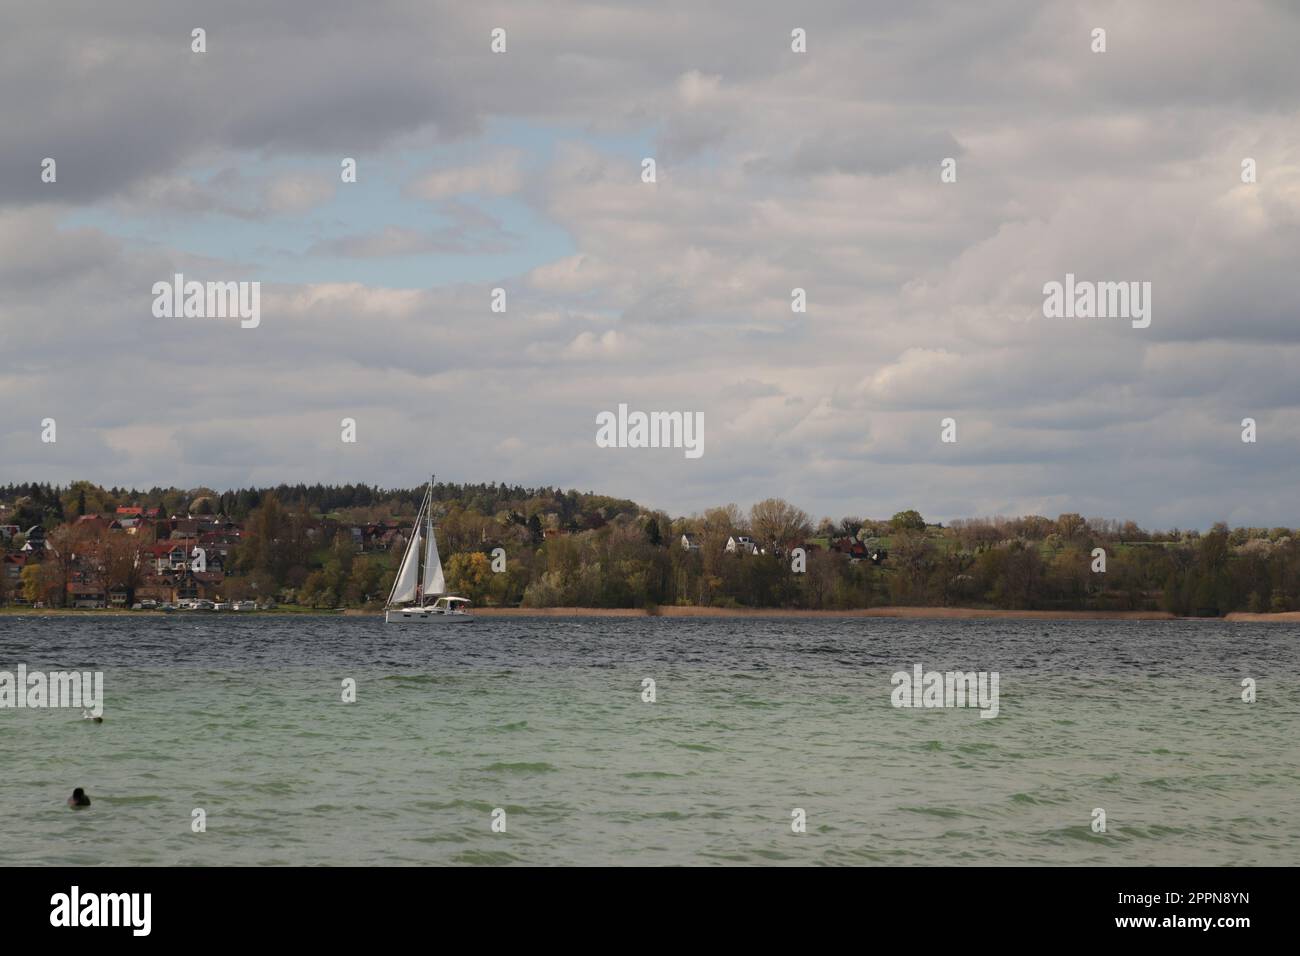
{"x":139,"y":559}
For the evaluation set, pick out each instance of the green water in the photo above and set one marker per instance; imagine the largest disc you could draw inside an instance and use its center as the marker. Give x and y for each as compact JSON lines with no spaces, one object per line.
{"x":544,"y":719}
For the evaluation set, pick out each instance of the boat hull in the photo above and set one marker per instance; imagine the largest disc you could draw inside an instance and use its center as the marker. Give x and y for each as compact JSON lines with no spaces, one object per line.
{"x":416,"y":616}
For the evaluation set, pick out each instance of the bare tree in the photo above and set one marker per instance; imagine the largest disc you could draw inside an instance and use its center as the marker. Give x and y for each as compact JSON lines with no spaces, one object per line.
{"x":777,"y":523}
{"x":123,"y":565}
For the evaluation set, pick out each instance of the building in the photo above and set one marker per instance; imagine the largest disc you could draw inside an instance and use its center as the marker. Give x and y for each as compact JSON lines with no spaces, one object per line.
{"x":87,"y":596}
{"x":168,"y":555}
{"x":741,"y":544}
{"x":35,"y":539}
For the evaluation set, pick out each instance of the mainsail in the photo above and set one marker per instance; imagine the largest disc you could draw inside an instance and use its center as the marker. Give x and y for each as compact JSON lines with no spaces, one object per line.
{"x":409,"y":574}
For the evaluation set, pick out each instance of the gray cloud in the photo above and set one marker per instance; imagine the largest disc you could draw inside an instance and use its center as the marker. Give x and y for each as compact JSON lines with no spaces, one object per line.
{"x":777,"y":171}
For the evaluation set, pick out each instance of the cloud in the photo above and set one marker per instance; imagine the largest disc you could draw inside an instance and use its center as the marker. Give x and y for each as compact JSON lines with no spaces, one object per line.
{"x":500,"y":175}
{"x":776,"y":170}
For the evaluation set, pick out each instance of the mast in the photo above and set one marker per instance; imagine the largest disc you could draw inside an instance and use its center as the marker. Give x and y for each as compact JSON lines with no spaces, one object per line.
{"x":428,"y":520}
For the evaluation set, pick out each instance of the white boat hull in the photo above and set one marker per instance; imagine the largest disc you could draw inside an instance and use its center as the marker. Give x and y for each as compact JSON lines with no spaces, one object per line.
{"x":415,"y":615}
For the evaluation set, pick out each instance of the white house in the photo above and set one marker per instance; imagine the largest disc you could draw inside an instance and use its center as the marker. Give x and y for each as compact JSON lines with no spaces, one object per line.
{"x":741,"y":544}
{"x":690,"y":542}
{"x":35,"y":539}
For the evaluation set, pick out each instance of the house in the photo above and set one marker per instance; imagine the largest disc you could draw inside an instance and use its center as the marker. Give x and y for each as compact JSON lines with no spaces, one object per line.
{"x":7,"y":531}
{"x":377,"y":536}
{"x":96,"y":523}
{"x":219,"y":546}
{"x":156,"y":589}
{"x":11,"y":580}
{"x":741,"y":544}
{"x":14,"y":563}
{"x":190,"y":527}
{"x":198,"y":584}
{"x":35,"y":539}
{"x":168,"y":555}
{"x":855,"y":549}
{"x":690,"y":542}
{"x":89,"y":596}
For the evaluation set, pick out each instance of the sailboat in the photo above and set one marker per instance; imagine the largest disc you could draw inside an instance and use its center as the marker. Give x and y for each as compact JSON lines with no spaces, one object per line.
{"x":421,"y":598}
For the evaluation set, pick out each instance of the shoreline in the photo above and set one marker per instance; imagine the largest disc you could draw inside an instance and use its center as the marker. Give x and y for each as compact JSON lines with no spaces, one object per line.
{"x":939,"y":613}
{"x":692,"y":611}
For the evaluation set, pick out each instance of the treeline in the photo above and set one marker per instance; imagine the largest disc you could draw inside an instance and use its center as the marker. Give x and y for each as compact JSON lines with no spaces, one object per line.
{"x":618,"y":557}
{"x":543,"y":547}
{"x":50,"y":505}
{"x":639,"y":563}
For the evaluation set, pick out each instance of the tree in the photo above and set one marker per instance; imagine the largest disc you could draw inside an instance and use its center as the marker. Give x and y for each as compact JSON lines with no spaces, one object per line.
{"x":1070,"y":525}
{"x":909,"y":520}
{"x":849,"y":527}
{"x":652,"y":532}
{"x":777,"y":523}
{"x":912,"y":555}
{"x":469,"y":573}
{"x":363,"y":584}
{"x":65,"y":545}
{"x":714,"y":528}
{"x":36,"y":584}
{"x":122,"y":565}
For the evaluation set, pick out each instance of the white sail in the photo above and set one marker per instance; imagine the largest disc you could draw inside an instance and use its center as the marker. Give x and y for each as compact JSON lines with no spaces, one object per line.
{"x":409,"y":575}
{"x":434,"y":584}
{"x":435,"y":606}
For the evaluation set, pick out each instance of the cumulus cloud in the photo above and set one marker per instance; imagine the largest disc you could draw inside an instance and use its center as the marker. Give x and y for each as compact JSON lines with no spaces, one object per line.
{"x":776,"y":171}
{"x":498,"y":176}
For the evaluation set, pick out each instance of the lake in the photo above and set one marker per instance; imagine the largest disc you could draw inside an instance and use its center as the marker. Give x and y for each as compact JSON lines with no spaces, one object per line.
{"x":540,"y":725}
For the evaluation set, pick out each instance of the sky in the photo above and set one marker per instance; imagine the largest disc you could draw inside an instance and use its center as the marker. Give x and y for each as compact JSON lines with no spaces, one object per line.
{"x":775,"y":170}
